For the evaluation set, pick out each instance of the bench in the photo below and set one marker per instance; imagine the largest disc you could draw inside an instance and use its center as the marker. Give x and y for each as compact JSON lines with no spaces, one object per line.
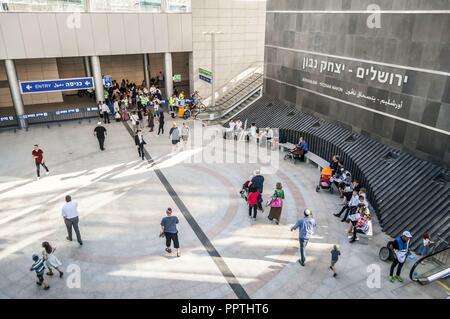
{"x":364,"y":238}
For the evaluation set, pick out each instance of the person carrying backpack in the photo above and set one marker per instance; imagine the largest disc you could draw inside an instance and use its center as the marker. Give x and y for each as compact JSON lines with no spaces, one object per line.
{"x":174,"y":134}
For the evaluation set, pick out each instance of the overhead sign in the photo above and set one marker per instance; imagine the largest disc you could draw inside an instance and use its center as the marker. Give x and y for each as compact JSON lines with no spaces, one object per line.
{"x":204,"y":78}
{"x":107,"y":81}
{"x":205,"y":72}
{"x":42,"y":86}
{"x":177,"y":78}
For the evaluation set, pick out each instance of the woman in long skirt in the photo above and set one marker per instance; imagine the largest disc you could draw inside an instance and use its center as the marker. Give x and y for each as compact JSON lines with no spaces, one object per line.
{"x":50,"y":259}
{"x":276,"y":204}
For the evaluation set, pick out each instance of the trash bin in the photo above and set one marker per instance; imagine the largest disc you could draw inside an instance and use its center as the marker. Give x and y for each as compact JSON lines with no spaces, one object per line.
{"x":180,"y":112}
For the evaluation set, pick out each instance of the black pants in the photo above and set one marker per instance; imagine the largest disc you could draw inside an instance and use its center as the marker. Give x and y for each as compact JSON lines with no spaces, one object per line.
{"x":106,"y":117}
{"x":101,"y":142}
{"x":356,"y":231}
{"x":141,"y":150}
{"x":73,"y":222}
{"x":161,"y":129}
{"x":172,"y":237}
{"x":255,"y":210}
{"x":399,"y":268}
{"x":348,"y":210}
{"x":38,"y":165}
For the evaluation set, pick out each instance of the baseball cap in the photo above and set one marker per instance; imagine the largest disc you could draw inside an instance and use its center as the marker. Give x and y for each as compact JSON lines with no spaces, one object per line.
{"x":407,"y":234}
{"x":307,"y":212}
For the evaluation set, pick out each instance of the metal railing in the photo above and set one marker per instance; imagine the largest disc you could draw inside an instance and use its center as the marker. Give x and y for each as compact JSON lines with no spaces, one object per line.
{"x":431,"y":267}
{"x":217,"y":106}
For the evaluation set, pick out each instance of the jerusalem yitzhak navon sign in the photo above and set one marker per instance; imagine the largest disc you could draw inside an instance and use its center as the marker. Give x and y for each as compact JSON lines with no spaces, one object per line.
{"x":348,"y":91}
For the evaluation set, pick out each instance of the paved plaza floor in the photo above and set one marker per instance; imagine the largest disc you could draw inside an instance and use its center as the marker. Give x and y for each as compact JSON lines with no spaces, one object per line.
{"x":122,"y":199}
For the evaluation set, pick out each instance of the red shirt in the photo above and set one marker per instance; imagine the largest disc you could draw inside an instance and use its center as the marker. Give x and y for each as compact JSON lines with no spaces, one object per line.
{"x":253,"y":198}
{"x":39,"y":155}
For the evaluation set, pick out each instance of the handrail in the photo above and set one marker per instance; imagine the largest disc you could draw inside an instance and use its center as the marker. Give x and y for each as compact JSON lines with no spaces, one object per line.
{"x":259,"y":76}
{"x":417,"y":263}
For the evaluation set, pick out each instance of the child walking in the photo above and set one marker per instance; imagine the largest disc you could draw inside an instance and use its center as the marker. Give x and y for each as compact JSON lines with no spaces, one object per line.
{"x":335,"y":253}
{"x":39,"y":268}
{"x":253,"y":200}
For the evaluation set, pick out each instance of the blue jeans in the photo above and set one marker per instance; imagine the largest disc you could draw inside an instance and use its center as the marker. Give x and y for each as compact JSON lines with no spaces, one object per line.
{"x":303,"y":243}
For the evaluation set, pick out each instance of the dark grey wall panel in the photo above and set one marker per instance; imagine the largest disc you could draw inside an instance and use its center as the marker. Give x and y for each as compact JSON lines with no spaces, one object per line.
{"x":390,"y":83}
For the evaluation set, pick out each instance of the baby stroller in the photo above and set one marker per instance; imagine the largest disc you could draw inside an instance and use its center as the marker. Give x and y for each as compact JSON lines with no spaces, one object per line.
{"x":325,"y":180}
{"x":244,"y":190}
{"x":294,"y":154}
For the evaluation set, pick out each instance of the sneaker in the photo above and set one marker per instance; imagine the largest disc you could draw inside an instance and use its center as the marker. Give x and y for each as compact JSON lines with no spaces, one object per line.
{"x":61,"y":274}
{"x":391,"y":279}
{"x":81,"y":243}
{"x":38,"y":283}
{"x":337,"y":215}
{"x":47,"y":288}
{"x":178,"y":254}
{"x":301,"y":263}
{"x":50,"y":274}
{"x":69,"y":239}
{"x":334,"y":275}
{"x":47,"y":173}
{"x":399,"y":278}
{"x":168,"y":250}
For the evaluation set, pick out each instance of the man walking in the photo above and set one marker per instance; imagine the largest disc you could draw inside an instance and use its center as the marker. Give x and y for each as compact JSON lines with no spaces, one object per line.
{"x":38,"y":155}
{"x":139,"y":141}
{"x":100,"y":133}
{"x":306,"y":228}
{"x":70,"y":215}
{"x":105,"y":112}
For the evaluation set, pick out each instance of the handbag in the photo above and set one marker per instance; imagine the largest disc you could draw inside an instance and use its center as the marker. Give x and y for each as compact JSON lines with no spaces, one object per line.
{"x":276,"y":203}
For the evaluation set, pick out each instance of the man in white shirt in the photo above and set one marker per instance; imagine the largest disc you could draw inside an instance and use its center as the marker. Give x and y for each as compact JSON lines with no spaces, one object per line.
{"x":105,"y":112}
{"x":70,"y":215}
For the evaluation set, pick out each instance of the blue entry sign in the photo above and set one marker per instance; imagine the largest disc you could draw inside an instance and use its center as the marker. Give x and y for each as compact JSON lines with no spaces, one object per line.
{"x":107,"y":81}
{"x":27,"y":87}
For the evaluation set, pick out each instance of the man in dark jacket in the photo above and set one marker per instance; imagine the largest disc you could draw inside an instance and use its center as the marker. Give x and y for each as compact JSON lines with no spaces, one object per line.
{"x":139,"y":141}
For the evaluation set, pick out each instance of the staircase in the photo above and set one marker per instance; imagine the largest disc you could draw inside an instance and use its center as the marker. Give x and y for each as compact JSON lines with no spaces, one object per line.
{"x":233,"y":102}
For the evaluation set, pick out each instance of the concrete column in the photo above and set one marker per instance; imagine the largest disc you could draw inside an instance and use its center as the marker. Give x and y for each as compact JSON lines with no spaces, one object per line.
{"x":98,"y":79}
{"x":146,"y":71}
{"x":191,"y":73}
{"x":15,"y":92}
{"x":213,"y":69}
{"x":168,"y":74}
{"x":87,"y":66}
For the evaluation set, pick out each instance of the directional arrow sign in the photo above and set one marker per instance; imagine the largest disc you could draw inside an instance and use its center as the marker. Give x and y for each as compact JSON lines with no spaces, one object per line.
{"x":27,"y":87}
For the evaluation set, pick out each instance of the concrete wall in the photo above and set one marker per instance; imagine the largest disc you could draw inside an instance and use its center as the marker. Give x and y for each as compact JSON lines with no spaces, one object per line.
{"x":28,"y":70}
{"x":40,"y":35}
{"x":391,"y":83}
{"x":240,"y":49}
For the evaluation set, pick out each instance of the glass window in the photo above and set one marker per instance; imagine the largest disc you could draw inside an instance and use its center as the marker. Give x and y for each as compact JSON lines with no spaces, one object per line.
{"x":43,"y":5}
{"x":125,"y":5}
{"x":178,"y":5}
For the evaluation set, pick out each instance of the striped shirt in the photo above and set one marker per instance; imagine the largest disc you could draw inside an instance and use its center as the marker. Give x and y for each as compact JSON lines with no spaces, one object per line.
{"x":38,"y":266}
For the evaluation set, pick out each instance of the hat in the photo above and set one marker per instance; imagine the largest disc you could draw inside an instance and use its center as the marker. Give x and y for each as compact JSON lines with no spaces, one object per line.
{"x":307,"y":212}
{"x":257,"y":172}
{"x":35,"y":257}
{"x":99,"y":123}
{"x":407,"y":234}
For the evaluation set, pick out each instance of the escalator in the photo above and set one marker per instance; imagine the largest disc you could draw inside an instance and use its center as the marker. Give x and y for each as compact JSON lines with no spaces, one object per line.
{"x":432,"y":267}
